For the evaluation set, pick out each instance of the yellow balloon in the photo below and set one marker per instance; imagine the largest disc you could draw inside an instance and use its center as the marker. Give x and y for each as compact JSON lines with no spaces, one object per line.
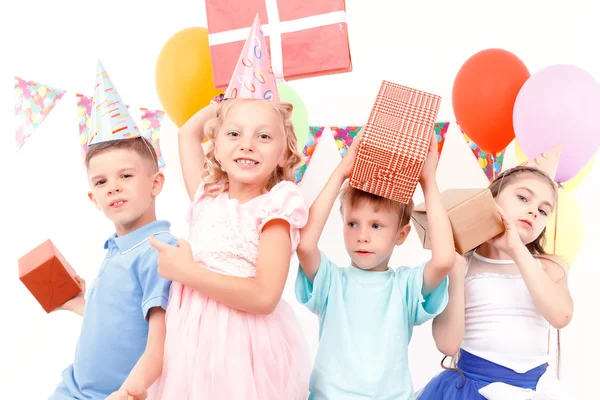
{"x":570,"y":184}
{"x":184,"y":81}
{"x":568,"y":219}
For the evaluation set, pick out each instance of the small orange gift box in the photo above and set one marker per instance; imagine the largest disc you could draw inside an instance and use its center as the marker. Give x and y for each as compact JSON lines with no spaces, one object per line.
{"x":48,"y":276}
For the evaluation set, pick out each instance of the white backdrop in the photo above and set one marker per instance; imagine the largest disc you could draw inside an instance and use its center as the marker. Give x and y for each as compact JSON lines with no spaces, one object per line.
{"x":419,"y":44}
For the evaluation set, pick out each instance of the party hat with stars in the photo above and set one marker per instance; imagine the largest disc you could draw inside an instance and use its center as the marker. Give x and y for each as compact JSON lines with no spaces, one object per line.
{"x":253,"y":76}
{"x":547,"y":161}
{"x":110,"y":118}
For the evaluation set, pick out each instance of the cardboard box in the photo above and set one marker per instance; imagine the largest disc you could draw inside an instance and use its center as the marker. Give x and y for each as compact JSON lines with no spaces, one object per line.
{"x":473,"y":215}
{"x":395,"y":142}
{"x":48,"y":276}
{"x":304,"y":37}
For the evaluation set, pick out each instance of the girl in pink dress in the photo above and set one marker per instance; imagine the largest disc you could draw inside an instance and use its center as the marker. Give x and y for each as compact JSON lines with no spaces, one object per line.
{"x":229,"y":334}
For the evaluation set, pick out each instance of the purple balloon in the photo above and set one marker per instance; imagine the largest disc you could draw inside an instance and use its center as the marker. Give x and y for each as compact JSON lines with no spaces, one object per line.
{"x":559,"y":104}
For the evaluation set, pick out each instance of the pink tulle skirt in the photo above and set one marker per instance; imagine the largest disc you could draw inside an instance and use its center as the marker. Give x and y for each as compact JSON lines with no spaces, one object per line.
{"x":213,"y":352}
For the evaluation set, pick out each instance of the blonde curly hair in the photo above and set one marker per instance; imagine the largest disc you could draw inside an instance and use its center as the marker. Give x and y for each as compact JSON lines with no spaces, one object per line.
{"x":215,"y":179}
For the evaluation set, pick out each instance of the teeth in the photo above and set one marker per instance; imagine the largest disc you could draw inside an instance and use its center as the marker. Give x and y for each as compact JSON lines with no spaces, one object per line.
{"x":246,"y":162}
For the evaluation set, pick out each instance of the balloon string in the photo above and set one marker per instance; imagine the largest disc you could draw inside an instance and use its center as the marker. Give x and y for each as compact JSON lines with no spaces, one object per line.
{"x":555,"y":223}
{"x":554,"y":246}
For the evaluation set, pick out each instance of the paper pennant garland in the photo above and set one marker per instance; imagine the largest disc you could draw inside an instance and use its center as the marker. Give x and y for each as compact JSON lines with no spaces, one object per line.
{"x":151,"y":121}
{"x":314,"y":134}
{"x":33,"y":102}
{"x":344,"y":135}
{"x":491,"y":164}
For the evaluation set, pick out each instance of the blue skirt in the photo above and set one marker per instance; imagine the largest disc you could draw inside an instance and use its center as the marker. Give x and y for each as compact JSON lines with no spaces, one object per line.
{"x":451,"y":385}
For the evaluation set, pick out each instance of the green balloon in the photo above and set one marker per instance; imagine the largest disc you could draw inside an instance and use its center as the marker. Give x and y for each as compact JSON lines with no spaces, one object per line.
{"x":299,"y":115}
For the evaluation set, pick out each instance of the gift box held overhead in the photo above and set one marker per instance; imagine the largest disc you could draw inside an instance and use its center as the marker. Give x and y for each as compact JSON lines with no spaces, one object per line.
{"x":48,"y":276}
{"x":395,"y":142}
{"x":304,"y":37}
{"x":473,"y":216}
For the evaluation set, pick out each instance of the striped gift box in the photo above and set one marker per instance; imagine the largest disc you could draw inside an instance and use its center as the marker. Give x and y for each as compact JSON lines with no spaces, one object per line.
{"x":395,"y":142}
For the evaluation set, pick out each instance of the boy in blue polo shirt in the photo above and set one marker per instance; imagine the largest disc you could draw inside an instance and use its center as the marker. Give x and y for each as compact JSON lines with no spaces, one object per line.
{"x":120,"y":349}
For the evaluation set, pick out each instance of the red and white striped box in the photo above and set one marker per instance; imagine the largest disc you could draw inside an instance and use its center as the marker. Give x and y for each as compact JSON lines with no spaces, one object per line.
{"x":395,"y":142}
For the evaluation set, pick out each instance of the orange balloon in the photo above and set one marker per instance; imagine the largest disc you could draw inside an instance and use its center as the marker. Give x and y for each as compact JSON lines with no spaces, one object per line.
{"x":184,"y":81}
{"x":484,"y":94}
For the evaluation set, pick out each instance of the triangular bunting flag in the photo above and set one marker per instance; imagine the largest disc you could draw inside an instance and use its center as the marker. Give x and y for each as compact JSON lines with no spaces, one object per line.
{"x":33,"y":102}
{"x":151,"y":121}
{"x":344,"y":135}
{"x":84,"y":110}
{"x":441,"y":128}
{"x":314,"y":134}
{"x":491,"y":164}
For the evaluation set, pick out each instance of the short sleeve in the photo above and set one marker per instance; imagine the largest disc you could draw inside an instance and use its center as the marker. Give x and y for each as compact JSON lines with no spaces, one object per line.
{"x":421,"y":308}
{"x":155,"y":289}
{"x":196,"y":202}
{"x":314,"y":294}
{"x":285,"y":202}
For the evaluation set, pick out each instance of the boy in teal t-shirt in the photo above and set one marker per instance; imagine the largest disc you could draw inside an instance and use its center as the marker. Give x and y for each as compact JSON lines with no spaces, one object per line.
{"x":367,"y":311}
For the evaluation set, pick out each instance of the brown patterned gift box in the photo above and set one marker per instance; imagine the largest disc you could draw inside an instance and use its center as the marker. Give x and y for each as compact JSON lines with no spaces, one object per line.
{"x":395,"y":142}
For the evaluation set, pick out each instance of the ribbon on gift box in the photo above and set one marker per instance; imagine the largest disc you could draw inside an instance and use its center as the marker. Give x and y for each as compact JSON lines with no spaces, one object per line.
{"x":275,"y":28}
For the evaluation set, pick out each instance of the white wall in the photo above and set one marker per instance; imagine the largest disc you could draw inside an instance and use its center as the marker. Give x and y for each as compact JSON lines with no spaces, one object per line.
{"x":420,"y":44}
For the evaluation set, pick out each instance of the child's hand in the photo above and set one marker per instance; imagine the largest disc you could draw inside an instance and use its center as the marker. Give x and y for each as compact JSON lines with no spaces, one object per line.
{"x":430,"y":166}
{"x":71,"y":305}
{"x":345,"y":166}
{"x":120,"y":394}
{"x":172,"y":260}
{"x":508,"y":241}
{"x":123,"y":394}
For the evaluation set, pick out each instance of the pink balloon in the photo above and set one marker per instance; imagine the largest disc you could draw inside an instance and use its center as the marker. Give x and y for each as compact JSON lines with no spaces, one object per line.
{"x":559,"y":104}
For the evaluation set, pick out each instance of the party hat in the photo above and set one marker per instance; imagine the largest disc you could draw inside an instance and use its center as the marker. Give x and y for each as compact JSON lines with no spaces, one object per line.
{"x":253,"y":76}
{"x":547,"y":161}
{"x":110,"y":118}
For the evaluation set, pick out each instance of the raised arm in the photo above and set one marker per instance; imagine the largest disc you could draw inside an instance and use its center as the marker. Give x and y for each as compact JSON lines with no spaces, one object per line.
{"x":308,"y":250}
{"x":449,"y":327}
{"x":440,"y":231}
{"x":191,"y":152}
{"x":548,"y":285}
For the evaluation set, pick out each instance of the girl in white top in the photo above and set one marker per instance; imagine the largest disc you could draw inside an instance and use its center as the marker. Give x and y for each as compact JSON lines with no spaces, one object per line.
{"x":503,"y":297}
